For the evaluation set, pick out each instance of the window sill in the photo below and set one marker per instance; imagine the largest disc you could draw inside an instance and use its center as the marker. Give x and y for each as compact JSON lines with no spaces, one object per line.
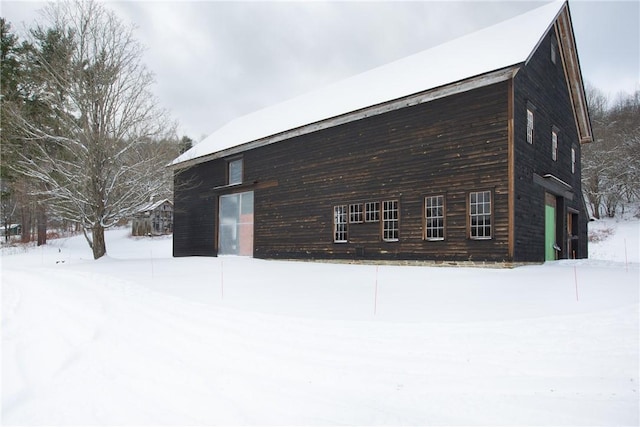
{"x":245,"y":185}
{"x":226,"y":186}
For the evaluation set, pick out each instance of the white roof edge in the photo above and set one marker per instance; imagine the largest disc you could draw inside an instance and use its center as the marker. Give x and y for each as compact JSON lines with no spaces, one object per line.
{"x":504,"y":45}
{"x":569,"y":54}
{"x":563,"y":5}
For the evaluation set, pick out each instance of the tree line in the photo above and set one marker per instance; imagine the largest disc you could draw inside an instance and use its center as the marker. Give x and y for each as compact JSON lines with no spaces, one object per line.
{"x":611,"y":163}
{"x":83,"y":140}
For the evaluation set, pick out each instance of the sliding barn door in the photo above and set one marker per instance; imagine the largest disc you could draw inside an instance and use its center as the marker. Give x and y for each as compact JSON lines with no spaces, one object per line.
{"x":235,"y":233}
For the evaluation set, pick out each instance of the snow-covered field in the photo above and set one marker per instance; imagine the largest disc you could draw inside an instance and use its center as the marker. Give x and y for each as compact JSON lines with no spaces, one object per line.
{"x":140,"y":338}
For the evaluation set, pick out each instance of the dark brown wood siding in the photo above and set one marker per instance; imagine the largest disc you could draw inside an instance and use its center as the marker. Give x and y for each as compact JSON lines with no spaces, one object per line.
{"x":449,"y":147}
{"x":542,"y":84}
{"x":195,"y":209}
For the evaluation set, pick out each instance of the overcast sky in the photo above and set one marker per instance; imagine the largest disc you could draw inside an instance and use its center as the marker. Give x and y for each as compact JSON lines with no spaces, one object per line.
{"x":214,"y":61}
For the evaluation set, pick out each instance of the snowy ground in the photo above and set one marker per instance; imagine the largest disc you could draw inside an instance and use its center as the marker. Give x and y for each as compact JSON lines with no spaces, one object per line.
{"x":139,"y":338}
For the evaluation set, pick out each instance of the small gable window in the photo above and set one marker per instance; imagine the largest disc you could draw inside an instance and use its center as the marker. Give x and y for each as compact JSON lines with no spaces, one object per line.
{"x":530,"y":126}
{"x":554,"y":51}
{"x":573,"y":160}
{"x":554,"y":144}
{"x":234,"y":171}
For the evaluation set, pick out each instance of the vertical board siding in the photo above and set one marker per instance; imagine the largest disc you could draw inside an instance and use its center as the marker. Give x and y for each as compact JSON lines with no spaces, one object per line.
{"x":543,"y":84}
{"x":195,"y":209}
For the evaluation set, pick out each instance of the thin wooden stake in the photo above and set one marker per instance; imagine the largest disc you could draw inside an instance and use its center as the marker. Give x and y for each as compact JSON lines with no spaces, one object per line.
{"x":151,"y":254}
{"x":575,"y":277}
{"x":375,"y":298}
{"x":626,"y":260}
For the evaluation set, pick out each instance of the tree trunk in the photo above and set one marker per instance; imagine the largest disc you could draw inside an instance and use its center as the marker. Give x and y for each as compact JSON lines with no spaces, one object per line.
{"x":42,"y":224}
{"x":98,"y":246}
{"x":595,"y":210}
{"x":25,"y":216}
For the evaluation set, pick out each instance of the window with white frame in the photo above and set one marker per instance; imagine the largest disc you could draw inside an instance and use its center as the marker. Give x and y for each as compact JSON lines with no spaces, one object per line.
{"x":234,"y":171}
{"x":530,"y":125}
{"x":434,"y":217}
{"x":340,"y":224}
{"x":554,"y":145}
{"x":390,"y":221}
{"x":480,"y":215}
{"x":355,"y":213}
{"x":573,"y":160}
{"x":372,"y":212}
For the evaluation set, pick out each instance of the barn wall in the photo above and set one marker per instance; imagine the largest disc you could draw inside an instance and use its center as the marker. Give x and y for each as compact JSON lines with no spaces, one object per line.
{"x":195,"y":209}
{"x":542,"y":83}
{"x":449,"y":146}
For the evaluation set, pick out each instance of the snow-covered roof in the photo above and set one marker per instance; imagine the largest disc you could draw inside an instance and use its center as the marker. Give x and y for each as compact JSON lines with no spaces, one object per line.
{"x":503,"y":45}
{"x":153,"y":205}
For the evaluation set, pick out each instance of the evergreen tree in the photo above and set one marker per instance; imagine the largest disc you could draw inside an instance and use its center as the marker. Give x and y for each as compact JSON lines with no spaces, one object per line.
{"x":10,"y":77}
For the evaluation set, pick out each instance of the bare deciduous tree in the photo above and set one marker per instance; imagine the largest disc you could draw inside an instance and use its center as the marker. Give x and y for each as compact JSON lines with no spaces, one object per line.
{"x":95,"y":157}
{"x":611,"y":164}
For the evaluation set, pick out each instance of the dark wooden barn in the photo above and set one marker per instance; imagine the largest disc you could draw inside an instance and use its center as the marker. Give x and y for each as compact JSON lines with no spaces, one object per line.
{"x":154,"y":219}
{"x":469,"y":151}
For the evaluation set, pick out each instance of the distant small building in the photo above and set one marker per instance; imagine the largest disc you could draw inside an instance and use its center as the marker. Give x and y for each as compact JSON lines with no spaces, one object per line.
{"x":11,"y":230}
{"x":155,"y":219}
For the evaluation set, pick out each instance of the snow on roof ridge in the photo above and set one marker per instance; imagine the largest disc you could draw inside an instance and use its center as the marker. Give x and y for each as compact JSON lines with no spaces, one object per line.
{"x":152,"y":205}
{"x":504,"y":44}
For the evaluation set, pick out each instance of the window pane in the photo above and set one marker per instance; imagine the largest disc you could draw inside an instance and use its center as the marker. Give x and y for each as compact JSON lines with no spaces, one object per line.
{"x":246,"y":203}
{"x":480,"y":215}
{"x":372,"y":212}
{"x":390,"y":220}
{"x":355,"y":213}
{"x":434,"y":218}
{"x":529,"y":126}
{"x":340,"y":224}
{"x":235,"y":172}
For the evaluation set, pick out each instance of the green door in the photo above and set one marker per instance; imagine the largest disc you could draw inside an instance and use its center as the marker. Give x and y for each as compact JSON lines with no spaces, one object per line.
{"x":549,"y":227}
